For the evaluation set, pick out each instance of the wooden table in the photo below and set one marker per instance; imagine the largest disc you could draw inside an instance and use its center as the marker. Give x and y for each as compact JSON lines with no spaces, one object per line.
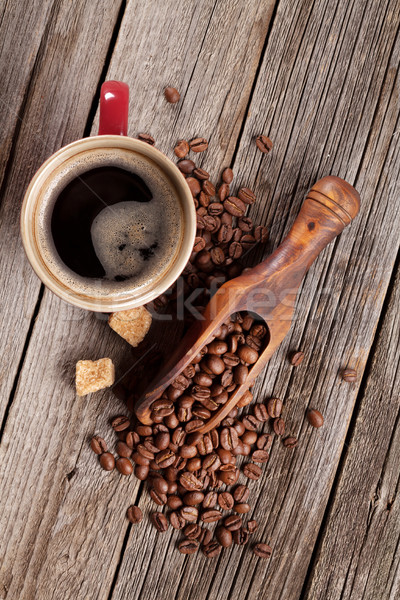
{"x":321,"y":79}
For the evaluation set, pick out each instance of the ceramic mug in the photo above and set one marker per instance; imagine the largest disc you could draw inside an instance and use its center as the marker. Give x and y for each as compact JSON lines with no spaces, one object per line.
{"x":70,"y":162}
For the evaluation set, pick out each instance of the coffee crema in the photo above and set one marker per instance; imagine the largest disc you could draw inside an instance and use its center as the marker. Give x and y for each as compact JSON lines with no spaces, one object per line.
{"x":114,"y":222}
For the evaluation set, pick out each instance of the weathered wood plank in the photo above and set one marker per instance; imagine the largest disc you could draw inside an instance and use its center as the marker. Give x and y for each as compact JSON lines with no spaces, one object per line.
{"x":360,"y":543}
{"x":80,"y":509}
{"x":63,"y":85}
{"x":317,"y":87}
{"x":21,"y":29}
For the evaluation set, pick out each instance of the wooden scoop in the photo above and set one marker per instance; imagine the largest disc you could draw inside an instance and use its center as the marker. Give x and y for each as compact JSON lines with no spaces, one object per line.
{"x":269,"y":289}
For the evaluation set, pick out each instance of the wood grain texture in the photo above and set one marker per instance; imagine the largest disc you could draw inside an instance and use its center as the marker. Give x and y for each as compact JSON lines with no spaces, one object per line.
{"x":63,"y":85}
{"x":360,"y":544}
{"x":317,"y":106}
{"x":71,"y":515}
{"x":22,"y":26}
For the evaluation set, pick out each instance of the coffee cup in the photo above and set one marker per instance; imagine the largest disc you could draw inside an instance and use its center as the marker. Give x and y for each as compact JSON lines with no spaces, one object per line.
{"x":108,"y":222}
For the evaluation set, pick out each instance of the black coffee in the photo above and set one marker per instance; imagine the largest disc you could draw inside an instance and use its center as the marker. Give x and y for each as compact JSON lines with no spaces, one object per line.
{"x":110,"y":224}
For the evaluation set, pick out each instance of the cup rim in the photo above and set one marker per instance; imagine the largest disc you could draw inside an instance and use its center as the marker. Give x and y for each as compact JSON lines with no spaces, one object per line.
{"x":29,"y":237}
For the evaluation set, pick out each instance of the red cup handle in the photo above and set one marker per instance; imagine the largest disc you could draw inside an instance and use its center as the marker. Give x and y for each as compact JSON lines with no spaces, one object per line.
{"x":114,"y":104}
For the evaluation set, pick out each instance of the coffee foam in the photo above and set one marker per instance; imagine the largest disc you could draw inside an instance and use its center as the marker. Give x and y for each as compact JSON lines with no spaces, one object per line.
{"x":165,"y":227}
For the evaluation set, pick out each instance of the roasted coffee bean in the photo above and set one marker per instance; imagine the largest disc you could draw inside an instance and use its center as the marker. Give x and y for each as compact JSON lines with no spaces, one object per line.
{"x":179,"y":435}
{"x":246,"y":195}
{"x":123,"y":449}
{"x":190,"y":482}
{"x":143,"y":451}
{"x":264,"y":442}
{"x":215,"y":364}
{"x":199,"y":244}
{"x":224,"y":536}
{"x":193,"y":464}
{"x":240,"y":537}
{"x":279,"y":426}
{"x":246,"y":225}
{"x":217,"y":255}
{"x":264,"y":144}
{"x":132,"y":439}
{"x":260,"y":456}
{"x":258,"y":330}
{"x":180,"y":463}
{"x":249,"y":437}
{"x":251,"y":423}
{"x":194,"y":425}
{"x":223,"y":192}
{"x":98,"y":445}
{"x":215,"y":209}
{"x":290,"y":442}
{"x":200,"y":392}
{"x":107,"y":461}
{"x":180,"y":382}
{"x":252,"y":471}
{"x":246,"y":449}
{"x":149,"y":444}
{"x":211,"y":549}
{"x":165,"y":458}
{"x":201,"y":174}
{"x":230,"y":359}
{"x":124,"y":466}
{"x":225,"y":233}
{"x":158,"y":498}
{"x":176,"y":520}
{"x":214,"y":435}
{"x":147,"y":138}
{"x":211,"y":516}
{"x":172,"y":487}
{"x":209,"y":223}
{"x":217,"y":347}
{"x":315,"y":418}
{"x":262,"y":550}
{"x":274,"y":407}
{"x":205,"y":536}
{"x":229,"y":438}
{"x":193,"y":498}
{"x":205,"y":446}
{"x":240,"y":374}
{"x":192,"y":531}
{"x":181,"y":149}
{"x":171,"y":421}
{"x":296,"y":358}
{"x":210,"y":500}
{"x":240,"y":428}
{"x":160,"y":484}
{"x":247,"y":241}
{"x":234,"y":206}
{"x":241,"y":508}
{"x":159,"y":521}
{"x":252,"y":526}
{"x":245,"y":400}
{"x":194,"y":185}
{"x":120,"y":423}
{"x":141,"y":472}
{"x":227,"y":175}
{"x":260,"y":412}
{"x":162,"y":440}
{"x":247,"y":354}
{"x":186,"y":166}
{"x":261,"y":234}
{"x":233,"y":522}
{"x":207,"y":187}
{"x":229,"y":477}
{"x":211,"y":462}
{"x":194,"y":438}
{"x":187,"y":451}
{"x":189,"y":513}
{"x":174,"y":502}
{"x":188,"y":546}
{"x":134,"y":514}
{"x":172,"y":95}
{"x":235,"y":250}
{"x":225,"y":500}
{"x":163,"y":407}
{"x":254,"y":342}
{"x":349,"y":375}
{"x":198,"y":144}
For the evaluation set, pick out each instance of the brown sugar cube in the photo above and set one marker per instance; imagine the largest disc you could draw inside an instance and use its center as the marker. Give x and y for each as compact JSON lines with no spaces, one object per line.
{"x":132,"y":324}
{"x":93,"y":375}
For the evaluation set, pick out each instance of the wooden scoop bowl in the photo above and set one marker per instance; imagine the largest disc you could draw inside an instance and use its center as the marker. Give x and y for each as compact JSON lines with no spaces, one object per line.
{"x":269,"y":289}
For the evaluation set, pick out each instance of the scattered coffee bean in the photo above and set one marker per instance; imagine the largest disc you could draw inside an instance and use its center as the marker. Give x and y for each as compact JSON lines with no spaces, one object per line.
{"x":227,"y":175}
{"x":252,"y":471}
{"x":120,"y":423}
{"x":349,"y":375}
{"x":296,"y":358}
{"x":198,"y":144}
{"x":107,"y":461}
{"x":181,"y":149}
{"x":264,"y":144}
{"x":224,"y":536}
{"x":188,"y":546}
{"x":186,"y":166}
{"x":172,"y":95}
{"x":234,"y":206}
{"x":247,"y":196}
{"x":98,"y":445}
{"x":262,"y":550}
{"x":260,"y":412}
{"x":264,"y":442}
{"x":147,"y":138}
{"x":134,"y":514}
{"x":315,"y":418}
{"x":260,"y":456}
{"x":252,"y":526}
{"x":241,"y":494}
{"x":192,"y":531}
{"x":159,"y":521}
{"x":290,"y":442}
{"x":274,"y":407}
{"x":279,"y":426}
{"x":174,"y":502}
{"x":240,"y":537}
{"x":177,"y":520}
{"x":211,"y":549}
{"x":194,"y":185}
{"x":225,"y":500}
{"x":123,"y":449}
{"x":211,"y":516}
{"x":124,"y":466}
